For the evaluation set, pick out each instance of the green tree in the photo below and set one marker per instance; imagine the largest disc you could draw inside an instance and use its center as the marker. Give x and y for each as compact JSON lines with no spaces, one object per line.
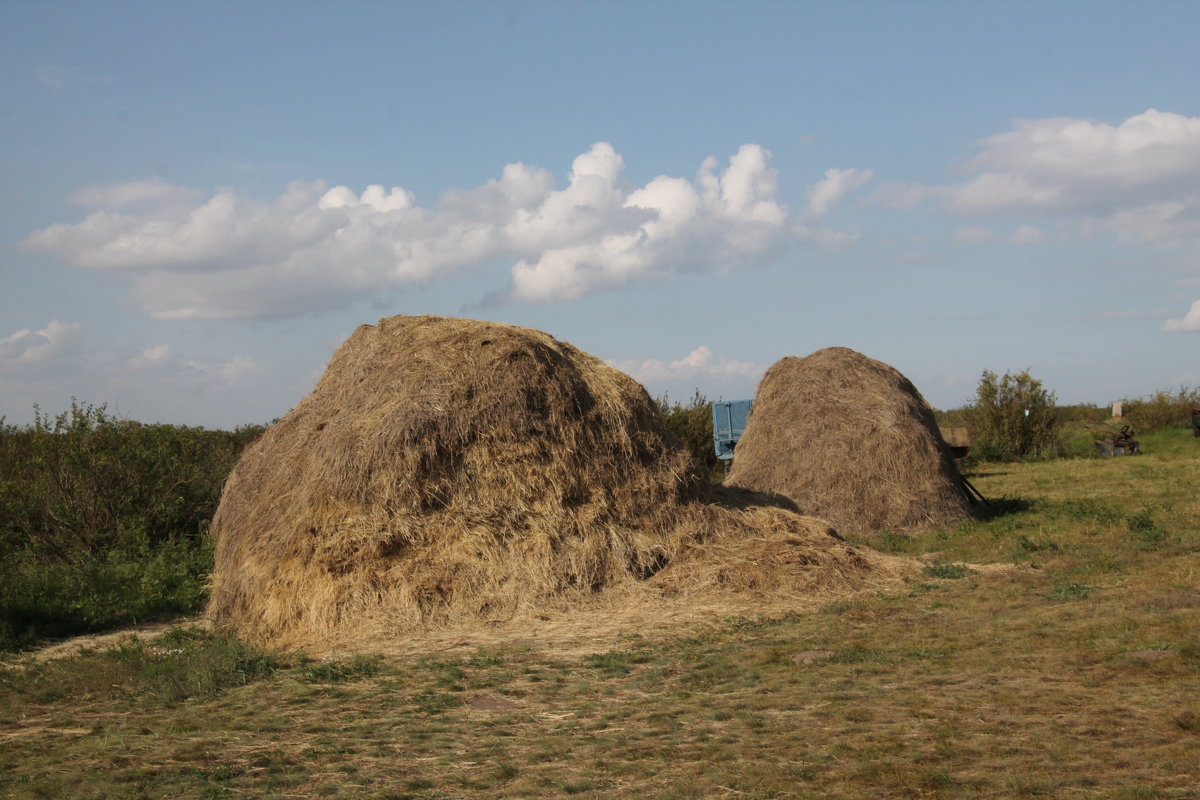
{"x":1015,"y":417}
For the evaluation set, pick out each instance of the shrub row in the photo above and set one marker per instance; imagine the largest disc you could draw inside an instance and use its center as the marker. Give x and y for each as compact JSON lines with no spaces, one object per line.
{"x":103,"y":520}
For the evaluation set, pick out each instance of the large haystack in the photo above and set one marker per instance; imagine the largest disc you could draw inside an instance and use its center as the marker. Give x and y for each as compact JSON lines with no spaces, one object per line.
{"x":445,"y":471}
{"x":851,"y":440}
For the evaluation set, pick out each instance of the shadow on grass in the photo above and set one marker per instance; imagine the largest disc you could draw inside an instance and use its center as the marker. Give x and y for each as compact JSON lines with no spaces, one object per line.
{"x":997,"y":507}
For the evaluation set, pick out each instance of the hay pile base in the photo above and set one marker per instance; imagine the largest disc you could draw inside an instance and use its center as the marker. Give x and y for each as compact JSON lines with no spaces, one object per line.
{"x":447,"y":472}
{"x":850,"y":440}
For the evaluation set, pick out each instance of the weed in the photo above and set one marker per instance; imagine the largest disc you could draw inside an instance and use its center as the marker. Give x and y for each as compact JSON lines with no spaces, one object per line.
{"x":436,"y":702}
{"x":1148,"y":535}
{"x":1091,"y":510}
{"x":1028,"y":545}
{"x":945,"y":570}
{"x":1069,"y":590}
{"x":856,"y":655}
{"x":1187,"y":721}
{"x":616,"y":662}
{"x":341,"y":671}
{"x":890,"y":542}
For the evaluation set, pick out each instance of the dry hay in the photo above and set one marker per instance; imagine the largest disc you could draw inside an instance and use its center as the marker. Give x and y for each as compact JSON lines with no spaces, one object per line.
{"x":850,"y":440}
{"x":449,"y":472}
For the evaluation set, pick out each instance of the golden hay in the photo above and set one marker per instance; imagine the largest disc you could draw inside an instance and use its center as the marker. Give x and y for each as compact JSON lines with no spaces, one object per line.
{"x":850,"y":440}
{"x":448,"y":471}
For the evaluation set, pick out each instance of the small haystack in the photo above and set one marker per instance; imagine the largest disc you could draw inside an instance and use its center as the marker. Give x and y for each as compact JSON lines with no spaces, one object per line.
{"x":448,"y":471}
{"x":850,"y":440}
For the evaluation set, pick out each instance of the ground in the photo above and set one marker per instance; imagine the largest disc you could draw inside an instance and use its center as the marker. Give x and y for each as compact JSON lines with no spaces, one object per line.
{"x":1051,"y":648}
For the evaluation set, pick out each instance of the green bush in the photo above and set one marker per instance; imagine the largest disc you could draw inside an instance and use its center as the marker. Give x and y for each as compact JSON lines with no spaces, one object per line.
{"x":1163,"y":409}
{"x":104,"y":521}
{"x":692,"y":424}
{"x":1015,"y":417}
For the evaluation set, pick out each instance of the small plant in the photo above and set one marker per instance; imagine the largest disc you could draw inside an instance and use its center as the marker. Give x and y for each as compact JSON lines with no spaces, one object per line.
{"x":856,"y":655}
{"x":1027,"y":544}
{"x":616,"y":662}
{"x":1148,"y":535}
{"x":341,"y":671}
{"x":945,"y":570}
{"x":1069,"y":590}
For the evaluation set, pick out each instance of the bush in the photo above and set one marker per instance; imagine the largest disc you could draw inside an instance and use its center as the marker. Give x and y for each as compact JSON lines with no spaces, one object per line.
{"x":1015,"y":417}
{"x":104,"y":521}
{"x":692,"y":424}
{"x":1163,"y":409}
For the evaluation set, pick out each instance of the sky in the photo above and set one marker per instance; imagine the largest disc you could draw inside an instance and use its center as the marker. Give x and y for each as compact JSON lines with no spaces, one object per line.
{"x":200,"y":201}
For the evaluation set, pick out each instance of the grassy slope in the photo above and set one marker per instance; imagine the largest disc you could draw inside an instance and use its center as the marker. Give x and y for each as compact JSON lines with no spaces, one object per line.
{"x":1075,"y":675}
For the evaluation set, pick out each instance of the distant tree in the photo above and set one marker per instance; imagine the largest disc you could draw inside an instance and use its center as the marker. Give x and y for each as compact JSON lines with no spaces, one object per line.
{"x":1015,"y":417}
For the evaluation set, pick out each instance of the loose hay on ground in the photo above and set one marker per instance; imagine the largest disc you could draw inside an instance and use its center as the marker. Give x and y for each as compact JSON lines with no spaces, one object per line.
{"x":450,"y":472}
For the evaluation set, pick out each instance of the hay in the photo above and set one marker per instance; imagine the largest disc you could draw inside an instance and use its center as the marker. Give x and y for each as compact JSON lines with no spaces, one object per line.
{"x":850,"y":440}
{"x":452,"y":472}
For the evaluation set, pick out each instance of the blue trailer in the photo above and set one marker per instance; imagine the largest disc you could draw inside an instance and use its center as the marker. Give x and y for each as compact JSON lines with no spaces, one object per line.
{"x":729,"y":423}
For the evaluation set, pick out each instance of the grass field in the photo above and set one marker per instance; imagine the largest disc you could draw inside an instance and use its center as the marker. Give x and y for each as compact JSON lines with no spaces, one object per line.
{"x":1074,"y":673}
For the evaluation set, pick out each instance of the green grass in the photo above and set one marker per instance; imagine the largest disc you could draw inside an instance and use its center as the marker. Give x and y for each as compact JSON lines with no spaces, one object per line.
{"x":1072,"y":674}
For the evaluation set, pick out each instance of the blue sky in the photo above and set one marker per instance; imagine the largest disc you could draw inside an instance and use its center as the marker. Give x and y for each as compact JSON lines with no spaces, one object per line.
{"x":690,"y":191}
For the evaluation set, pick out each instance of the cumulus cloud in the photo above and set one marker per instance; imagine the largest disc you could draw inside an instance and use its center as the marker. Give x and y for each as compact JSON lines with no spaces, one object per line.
{"x":133,"y":194}
{"x":1028,"y":234}
{"x":1188,"y":322}
{"x":978,"y":234}
{"x":316,"y":247}
{"x":720,"y":221}
{"x":59,"y":77}
{"x":228,"y":371}
{"x":837,"y":183}
{"x":974,"y":234}
{"x":156,"y":356}
{"x":1140,"y":178}
{"x":700,"y":363}
{"x":56,"y":341}
{"x":58,"y":350}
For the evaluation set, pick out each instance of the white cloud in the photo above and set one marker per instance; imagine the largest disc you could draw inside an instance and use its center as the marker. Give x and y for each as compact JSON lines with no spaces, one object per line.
{"x":716,"y":223}
{"x":57,"y":350}
{"x":837,"y":183}
{"x":1028,"y":234}
{"x":317,"y":247}
{"x":56,"y":341}
{"x":156,"y":356}
{"x":700,"y":363}
{"x":974,"y":234}
{"x":1140,"y":178}
{"x":978,"y":234}
{"x":151,"y":192}
{"x":1189,"y":322}
{"x":152,"y":383}
{"x":228,"y":371}
{"x":59,"y":77}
